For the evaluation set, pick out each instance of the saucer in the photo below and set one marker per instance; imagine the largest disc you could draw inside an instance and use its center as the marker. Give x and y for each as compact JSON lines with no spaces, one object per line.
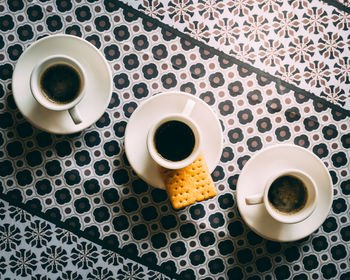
{"x":268,"y":162}
{"x":154,"y":109}
{"x":99,"y":84}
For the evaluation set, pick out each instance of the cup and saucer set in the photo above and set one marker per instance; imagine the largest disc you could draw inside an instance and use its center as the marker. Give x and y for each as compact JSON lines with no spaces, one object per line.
{"x":272,"y":164}
{"x":263,"y":182}
{"x":259,"y":202}
{"x":91,"y":100}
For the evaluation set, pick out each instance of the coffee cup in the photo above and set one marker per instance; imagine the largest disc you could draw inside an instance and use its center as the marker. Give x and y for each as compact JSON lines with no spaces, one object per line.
{"x":58,"y":83}
{"x":289,"y":197}
{"x":174,"y":140}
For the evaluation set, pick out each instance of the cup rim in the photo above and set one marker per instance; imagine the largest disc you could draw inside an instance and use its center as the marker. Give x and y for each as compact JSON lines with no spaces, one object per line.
{"x":174,"y":164}
{"x":310,"y":203}
{"x":40,"y":67}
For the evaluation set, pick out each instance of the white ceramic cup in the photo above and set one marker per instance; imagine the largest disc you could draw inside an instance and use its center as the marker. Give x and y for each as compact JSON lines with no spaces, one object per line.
{"x":294,"y":217}
{"x":184,"y":117}
{"x":36,"y":90}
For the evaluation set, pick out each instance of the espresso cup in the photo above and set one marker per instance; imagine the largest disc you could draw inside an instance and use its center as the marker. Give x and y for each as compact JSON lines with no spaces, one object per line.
{"x":174,"y":140}
{"x":58,"y":84}
{"x":289,"y":197}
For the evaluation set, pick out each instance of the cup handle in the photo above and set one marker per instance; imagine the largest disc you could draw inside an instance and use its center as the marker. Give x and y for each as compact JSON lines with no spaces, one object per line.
{"x":254,"y":199}
{"x":188,"y":107}
{"x":75,"y":115}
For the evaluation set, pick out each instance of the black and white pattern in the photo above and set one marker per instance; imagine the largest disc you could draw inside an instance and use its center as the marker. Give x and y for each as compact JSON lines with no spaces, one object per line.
{"x":84,"y":184}
{"x":32,"y":248}
{"x":305,"y":43}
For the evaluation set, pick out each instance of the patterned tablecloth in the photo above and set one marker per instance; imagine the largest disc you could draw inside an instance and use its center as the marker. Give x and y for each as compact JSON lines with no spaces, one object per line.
{"x":71,"y":206}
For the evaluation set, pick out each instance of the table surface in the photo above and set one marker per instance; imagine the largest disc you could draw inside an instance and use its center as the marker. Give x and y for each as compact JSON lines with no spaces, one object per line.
{"x":274,"y":72}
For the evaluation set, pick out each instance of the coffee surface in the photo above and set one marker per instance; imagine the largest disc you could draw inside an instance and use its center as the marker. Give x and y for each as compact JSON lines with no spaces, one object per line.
{"x":60,"y":83}
{"x":287,"y":194}
{"x":174,"y":140}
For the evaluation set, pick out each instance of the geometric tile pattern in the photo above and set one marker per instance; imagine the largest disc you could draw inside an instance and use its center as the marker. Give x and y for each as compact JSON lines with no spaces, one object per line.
{"x":31,"y":246}
{"x":305,"y":43}
{"x":84,"y":183}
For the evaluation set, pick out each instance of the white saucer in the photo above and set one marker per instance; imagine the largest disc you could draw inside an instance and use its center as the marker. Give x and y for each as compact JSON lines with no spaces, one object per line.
{"x":99,"y":83}
{"x":263,"y":165}
{"x":152,"y":110}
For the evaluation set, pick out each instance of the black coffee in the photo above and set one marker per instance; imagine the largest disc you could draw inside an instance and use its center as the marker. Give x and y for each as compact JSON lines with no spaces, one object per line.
{"x":287,"y":194}
{"x":174,"y":140}
{"x":60,"y":83}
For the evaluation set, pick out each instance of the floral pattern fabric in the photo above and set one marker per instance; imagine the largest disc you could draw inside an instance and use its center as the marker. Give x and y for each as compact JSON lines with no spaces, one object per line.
{"x":305,"y":43}
{"x":33,"y":247}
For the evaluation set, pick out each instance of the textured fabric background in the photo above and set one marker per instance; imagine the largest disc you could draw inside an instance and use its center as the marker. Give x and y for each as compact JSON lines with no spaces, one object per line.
{"x":305,"y":43}
{"x":84,"y":184}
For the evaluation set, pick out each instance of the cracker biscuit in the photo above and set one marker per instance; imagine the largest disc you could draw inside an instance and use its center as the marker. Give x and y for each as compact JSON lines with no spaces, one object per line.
{"x":187,"y":185}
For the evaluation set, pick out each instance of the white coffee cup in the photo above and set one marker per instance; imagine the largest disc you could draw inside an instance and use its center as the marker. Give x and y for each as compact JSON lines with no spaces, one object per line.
{"x":300,"y":214}
{"x":41,"y":97}
{"x":183,"y":117}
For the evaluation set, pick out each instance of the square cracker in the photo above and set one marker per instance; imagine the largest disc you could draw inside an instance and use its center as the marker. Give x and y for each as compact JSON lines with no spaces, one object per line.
{"x":187,"y":185}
